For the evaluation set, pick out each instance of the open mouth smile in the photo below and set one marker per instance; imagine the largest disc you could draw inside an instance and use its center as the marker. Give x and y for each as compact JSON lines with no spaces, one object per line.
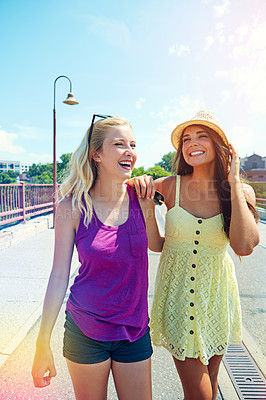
{"x":196,"y":153}
{"x":125,"y":164}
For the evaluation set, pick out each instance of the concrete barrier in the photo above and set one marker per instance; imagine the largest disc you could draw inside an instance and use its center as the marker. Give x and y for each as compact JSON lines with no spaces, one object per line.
{"x":17,"y":233}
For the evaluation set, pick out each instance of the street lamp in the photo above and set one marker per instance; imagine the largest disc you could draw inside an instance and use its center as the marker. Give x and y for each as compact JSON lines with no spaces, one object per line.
{"x":71,"y":101}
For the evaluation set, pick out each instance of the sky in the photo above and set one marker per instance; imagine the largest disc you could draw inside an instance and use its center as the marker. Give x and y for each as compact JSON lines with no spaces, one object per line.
{"x":155,"y":63}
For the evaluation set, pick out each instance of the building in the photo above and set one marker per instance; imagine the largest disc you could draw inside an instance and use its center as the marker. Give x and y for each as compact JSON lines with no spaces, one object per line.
{"x":253,"y":162}
{"x":256,"y":175}
{"x":254,"y":168}
{"x":15,"y":166}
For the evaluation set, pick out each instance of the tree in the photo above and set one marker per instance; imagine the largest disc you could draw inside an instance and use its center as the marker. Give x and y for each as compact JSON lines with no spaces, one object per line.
{"x":138,"y":171}
{"x":13,"y":175}
{"x":46,"y":177}
{"x":157,"y":172}
{"x":5,"y":178}
{"x":167,"y":161}
{"x":65,"y":159}
{"x":63,"y":166}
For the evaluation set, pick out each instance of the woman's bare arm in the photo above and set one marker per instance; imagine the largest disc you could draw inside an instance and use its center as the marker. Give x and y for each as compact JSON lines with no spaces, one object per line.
{"x":55,"y":292}
{"x":243,"y":233}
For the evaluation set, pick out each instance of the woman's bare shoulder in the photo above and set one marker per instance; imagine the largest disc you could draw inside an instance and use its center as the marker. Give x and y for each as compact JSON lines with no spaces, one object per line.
{"x":165,"y":184}
{"x":249,"y":193}
{"x":66,"y":212}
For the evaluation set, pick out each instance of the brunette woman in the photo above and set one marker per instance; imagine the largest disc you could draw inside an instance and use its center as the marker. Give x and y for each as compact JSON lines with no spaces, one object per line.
{"x":196,"y":309}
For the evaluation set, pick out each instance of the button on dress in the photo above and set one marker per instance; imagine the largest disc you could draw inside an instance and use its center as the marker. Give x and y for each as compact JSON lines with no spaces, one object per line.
{"x":196,"y":308}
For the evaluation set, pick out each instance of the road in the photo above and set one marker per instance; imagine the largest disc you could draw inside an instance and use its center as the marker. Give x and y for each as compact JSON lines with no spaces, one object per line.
{"x":251,"y":277}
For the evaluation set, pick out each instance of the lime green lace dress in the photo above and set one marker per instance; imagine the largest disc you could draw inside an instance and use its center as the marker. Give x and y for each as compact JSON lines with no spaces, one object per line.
{"x":196,"y":308}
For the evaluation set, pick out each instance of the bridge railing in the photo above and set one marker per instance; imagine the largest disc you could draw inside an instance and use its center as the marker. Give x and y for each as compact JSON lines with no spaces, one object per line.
{"x":260,"y":202}
{"x":20,"y":201}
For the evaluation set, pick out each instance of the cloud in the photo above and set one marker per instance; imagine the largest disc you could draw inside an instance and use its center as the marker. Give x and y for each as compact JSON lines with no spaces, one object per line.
{"x":220,"y":32}
{"x":209,"y":40}
{"x":242,"y":32}
{"x":112,"y":31}
{"x":139,"y":103}
{"x":180,"y":109}
{"x":32,"y":132}
{"x":173,"y":49}
{"x":248,"y":76}
{"x":243,"y":138}
{"x":40,"y":158}
{"x":221,"y":9}
{"x":7,"y":146}
{"x":154,"y":150}
{"x":179,"y":50}
{"x":168,"y":117}
{"x":240,"y":51}
{"x":225,"y":96}
{"x":221,"y":74}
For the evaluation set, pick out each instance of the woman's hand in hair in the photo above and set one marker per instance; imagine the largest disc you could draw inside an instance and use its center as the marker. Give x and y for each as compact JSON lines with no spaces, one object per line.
{"x":144,"y":186}
{"x":233,"y":175}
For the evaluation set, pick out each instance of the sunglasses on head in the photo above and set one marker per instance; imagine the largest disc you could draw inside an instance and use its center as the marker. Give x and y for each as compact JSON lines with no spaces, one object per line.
{"x":93,"y":120}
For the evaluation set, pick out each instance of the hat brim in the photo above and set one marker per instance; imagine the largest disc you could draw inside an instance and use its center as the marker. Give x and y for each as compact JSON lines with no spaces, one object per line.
{"x":177,"y":132}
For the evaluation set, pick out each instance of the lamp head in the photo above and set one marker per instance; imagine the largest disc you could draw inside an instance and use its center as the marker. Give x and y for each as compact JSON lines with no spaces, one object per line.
{"x":70,"y":99}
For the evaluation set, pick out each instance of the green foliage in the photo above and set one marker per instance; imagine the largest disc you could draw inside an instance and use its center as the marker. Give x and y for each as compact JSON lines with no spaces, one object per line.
{"x":157,"y":172}
{"x":65,"y":158}
{"x":259,"y":188}
{"x":36,"y":170}
{"x":63,"y":167}
{"x":5,"y":178}
{"x":167,"y":161}
{"x":43,"y":173}
{"x":13,"y":175}
{"x":8,"y":177}
{"x":138,"y":172}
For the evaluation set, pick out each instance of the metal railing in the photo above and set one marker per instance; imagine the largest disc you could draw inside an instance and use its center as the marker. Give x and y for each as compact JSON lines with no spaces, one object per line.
{"x":260,"y":202}
{"x":20,"y":201}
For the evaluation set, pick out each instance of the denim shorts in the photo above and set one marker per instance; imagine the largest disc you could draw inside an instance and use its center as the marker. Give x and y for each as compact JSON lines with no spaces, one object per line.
{"x":81,"y":349}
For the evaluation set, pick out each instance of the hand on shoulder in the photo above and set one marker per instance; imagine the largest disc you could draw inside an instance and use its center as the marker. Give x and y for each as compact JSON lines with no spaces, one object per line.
{"x":144,"y":186}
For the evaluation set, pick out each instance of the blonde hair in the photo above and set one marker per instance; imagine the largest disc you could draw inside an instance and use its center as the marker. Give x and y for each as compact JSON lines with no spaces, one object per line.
{"x":83,"y":170}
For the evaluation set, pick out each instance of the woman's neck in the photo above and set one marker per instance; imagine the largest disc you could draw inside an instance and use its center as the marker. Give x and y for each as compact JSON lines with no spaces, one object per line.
{"x":108,"y":189}
{"x":204,"y":177}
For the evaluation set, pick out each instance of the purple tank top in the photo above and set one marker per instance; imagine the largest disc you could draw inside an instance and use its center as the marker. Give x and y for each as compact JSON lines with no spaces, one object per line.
{"x":108,"y":299}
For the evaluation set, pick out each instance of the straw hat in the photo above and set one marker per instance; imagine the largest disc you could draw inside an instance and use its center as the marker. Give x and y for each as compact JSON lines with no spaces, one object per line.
{"x":204,"y":117}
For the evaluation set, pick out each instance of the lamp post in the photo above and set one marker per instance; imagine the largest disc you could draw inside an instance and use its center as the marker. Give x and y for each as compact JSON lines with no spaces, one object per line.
{"x":71,"y":101}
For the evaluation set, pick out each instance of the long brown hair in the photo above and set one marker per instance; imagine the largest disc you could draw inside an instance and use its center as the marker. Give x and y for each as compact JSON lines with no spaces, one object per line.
{"x":222,"y":166}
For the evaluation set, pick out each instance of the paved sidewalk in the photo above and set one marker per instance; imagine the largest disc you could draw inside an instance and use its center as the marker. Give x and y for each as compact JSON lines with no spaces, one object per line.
{"x":24,"y":271}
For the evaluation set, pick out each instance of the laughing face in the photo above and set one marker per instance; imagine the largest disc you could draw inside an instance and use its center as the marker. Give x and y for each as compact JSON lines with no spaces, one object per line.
{"x":197,"y":146}
{"x":118,"y":154}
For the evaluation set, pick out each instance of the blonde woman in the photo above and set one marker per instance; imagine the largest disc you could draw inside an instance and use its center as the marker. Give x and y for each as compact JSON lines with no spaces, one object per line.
{"x":196,"y":308}
{"x":106,"y":324}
